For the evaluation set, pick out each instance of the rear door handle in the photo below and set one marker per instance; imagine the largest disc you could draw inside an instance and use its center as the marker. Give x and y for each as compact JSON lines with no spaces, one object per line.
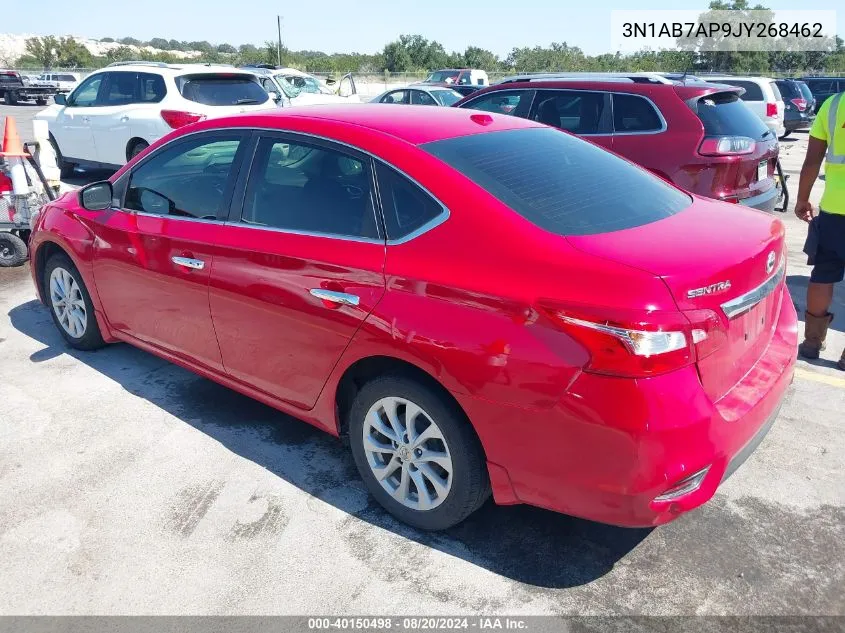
{"x":187,"y":262}
{"x":341,"y":298}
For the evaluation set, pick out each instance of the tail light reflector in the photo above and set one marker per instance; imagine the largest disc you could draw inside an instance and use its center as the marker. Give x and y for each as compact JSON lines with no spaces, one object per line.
{"x":771,"y":109}
{"x":637,"y":344}
{"x":684,"y":486}
{"x":726,"y":146}
{"x":799,"y":103}
{"x":177,"y":118}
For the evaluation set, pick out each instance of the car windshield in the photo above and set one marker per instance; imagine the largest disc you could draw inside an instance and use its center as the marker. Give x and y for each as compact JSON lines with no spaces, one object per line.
{"x":296,"y":84}
{"x":559,"y":182}
{"x":221,"y":89}
{"x":443,"y":76}
{"x":446,"y":97}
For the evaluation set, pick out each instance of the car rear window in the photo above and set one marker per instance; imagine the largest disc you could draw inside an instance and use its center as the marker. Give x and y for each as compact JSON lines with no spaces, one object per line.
{"x":753,"y":92}
{"x":559,"y":182}
{"x":788,"y":89}
{"x":221,"y":89}
{"x":724,"y":114}
{"x":9,"y":78}
{"x":805,"y":90}
{"x":67,"y":78}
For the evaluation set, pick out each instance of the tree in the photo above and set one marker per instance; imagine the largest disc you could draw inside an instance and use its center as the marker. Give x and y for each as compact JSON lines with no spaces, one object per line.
{"x":159,"y":43}
{"x":475,"y":57}
{"x":397,"y":59}
{"x":72,"y":54}
{"x":120,"y":54}
{"x":203,"y":47}
{"x":226,"y":48}
{"x":130,"y":41}
{"x":43,"y":49}
{"x":107,"y":40}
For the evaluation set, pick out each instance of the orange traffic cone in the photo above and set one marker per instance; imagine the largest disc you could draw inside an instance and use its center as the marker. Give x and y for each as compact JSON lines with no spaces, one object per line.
{"x":12,"y":145}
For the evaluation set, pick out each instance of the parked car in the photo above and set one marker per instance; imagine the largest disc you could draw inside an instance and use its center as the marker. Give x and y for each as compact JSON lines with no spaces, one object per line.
{"x":420,"y":95}
{"x":799,"y":114}
{"x":119,"y":111}
{"x":463,"y":80}
{"x":699,"y":136}
{"x":569,"y":363}
{"x":761,"y":95}
{"x":63,"y":82}
{"x":289,"y":86}
{"x":14,"y":89}
{"x":824,"y":87}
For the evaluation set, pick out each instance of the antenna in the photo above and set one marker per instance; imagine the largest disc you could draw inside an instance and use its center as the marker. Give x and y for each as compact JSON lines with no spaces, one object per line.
{"x":279,"y":49}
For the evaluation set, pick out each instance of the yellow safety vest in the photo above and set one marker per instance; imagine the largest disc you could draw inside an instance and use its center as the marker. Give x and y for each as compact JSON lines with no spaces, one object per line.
{"x":829,"y":126}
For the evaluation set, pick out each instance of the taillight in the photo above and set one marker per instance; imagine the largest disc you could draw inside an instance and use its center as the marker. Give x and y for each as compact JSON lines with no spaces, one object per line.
{"x":637,"y":344}
{"x":771,"y":109}
{"x":726,"y":146}
{"x":799,"y":103}
{"x":177,"y":118}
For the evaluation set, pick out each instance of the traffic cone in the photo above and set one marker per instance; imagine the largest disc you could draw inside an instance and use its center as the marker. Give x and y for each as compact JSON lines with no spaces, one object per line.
{"x":14,"y":154}
{"x":12,"y":145}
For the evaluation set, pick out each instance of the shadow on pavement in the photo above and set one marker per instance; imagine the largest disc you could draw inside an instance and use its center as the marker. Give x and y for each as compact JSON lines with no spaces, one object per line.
{"x":526,"y":544}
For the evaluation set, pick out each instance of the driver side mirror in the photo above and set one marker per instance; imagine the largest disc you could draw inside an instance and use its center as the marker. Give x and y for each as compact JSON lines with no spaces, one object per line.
{"x":60,"y":99}
{"x":97,"y":196}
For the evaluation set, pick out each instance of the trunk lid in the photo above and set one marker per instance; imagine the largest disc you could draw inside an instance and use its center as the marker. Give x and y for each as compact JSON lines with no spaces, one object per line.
{"x":712,"y":256}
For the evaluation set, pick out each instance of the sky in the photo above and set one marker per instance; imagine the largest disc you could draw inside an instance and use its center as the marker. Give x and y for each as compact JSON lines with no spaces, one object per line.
{"x":363,"y":26}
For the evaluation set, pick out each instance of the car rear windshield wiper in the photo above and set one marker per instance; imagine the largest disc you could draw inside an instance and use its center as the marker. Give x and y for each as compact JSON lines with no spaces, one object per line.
{"x":245,"y":101}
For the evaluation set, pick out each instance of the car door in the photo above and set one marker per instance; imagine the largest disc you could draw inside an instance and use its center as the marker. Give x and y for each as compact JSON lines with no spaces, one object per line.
{"x":397,"y":96}
{"x":153,"y":254}
{"x":635,"y":120}
{"x":299,"y":267}
{"x":110,"y":120}
{"x":582,"y":112}
{"x":72,"y":127}
{"x":514,"y":102}
{"x":420,"y":97}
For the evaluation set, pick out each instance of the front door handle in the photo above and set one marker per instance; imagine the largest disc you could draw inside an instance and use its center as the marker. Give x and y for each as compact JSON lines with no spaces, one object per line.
{"x":187,"y":262}
{"x":341,"y":298}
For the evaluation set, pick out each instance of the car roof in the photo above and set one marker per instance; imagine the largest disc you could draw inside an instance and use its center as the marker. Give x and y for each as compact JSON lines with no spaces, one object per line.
{"x":171,"y":69}
{"x":685,"y":90}
{"x":412,"y":124}
{"x":737,"y":78}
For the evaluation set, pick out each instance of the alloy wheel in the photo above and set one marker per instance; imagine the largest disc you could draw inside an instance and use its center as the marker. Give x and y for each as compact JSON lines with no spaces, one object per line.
{"x":68,"y":303}
{"x":407,"y":453}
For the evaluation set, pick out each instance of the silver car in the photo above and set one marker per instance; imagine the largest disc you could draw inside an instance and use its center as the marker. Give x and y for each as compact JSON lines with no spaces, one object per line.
{"x":420,"y":95}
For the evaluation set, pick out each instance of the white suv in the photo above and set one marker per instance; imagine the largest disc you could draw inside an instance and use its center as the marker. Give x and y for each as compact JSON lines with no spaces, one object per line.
{"x":118,"y":111}
{"x":761,"y":95}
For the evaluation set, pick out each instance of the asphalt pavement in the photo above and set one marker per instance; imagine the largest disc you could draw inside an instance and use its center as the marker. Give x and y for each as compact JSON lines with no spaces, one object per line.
{"x":129,"y":485}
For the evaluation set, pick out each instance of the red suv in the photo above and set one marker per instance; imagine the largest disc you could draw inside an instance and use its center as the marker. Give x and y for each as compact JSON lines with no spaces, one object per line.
{"x":699,"y":136}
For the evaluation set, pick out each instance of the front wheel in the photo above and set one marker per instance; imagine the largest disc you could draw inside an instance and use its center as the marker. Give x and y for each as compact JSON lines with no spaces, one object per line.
{"x":13,"y":250}
{"x":417,"y":454}
{"x":70,"y":304}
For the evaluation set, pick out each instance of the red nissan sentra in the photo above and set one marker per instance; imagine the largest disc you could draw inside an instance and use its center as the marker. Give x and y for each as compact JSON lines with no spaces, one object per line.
{"x":479,"y":303}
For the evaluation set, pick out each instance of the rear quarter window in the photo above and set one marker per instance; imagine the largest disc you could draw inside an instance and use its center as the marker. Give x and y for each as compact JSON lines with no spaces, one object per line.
{"x":753,"y":92}
{"x":788,"y":89}
{"x":559,"y":182}
{"x":221,"y":89}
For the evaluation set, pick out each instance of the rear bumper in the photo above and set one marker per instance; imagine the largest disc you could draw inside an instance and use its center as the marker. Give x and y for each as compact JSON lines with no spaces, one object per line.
{"x":799,"y":123}
{"x":765,"y":201}
{"x":612,"y":446}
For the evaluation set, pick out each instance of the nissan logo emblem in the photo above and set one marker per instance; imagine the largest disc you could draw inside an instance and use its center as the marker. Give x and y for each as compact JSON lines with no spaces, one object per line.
{"x":770,"y":263}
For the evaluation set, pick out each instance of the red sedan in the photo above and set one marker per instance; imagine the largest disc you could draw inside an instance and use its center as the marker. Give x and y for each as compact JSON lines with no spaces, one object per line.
{"x":478,"y":302}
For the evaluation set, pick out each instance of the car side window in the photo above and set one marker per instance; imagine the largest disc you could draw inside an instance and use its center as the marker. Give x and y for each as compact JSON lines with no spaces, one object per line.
{"x":503,"y":102}
{"x":152,"y":88}
{"x":296,"y":186}
{"x":85,"y":96}
{"x":632,"y":113}
{"x":190,"y":179}
{"x":397,"y":96}
{"x":268,"y":85}
{"x":576,"y":111}
{"x":406,"y":206}
{"x":121,"y":89}
{"x":753,"y":92}
{"x":422,"y":98}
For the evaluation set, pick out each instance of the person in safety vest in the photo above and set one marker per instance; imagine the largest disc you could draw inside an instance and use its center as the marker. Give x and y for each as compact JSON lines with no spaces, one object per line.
{"x":825,"y":244}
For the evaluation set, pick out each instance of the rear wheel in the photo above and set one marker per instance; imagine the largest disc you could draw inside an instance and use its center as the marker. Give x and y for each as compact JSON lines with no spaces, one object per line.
{"x":11,"y":97}
{"x":12,"y":250}
{"x":40,"y":101}
{"x":70,"y":304}
{"x":136,"y":148}
{"x":417,"y":454}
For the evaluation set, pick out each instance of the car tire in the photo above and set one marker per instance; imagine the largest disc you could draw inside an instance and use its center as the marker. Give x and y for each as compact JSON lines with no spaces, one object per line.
{"x":10,"y":98}
{"x":460,"y":469}
{"x":137,"y":148}
{"x":13,"y":250}
{"x":70,"y":304}
{"x":65,"y":168}
{"x":41,"y":101}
